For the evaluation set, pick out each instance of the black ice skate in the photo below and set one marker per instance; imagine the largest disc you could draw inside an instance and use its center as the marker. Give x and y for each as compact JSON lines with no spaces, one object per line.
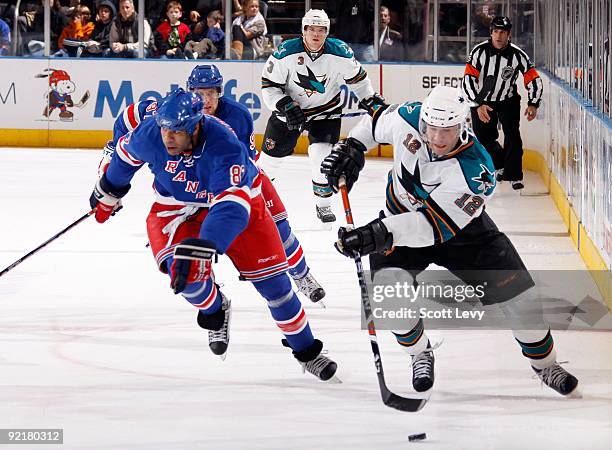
{"x":325,"y":214}
{"x":557,"y":378}
{"x":518,"y":185}
{"x":310,"y":287}
{"x":313,"y":361}
{"x":217,"y":325}
{"x":423,"y":369}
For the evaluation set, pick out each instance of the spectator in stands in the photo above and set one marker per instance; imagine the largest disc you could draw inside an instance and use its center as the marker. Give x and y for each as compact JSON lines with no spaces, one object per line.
{"x":172,"y":34}
{"x":249,"y":32}
{"x":5,"y":39}
{"x":99,"y":44}
{"x":213,"y":45}
{"x":390,"y":41}
{"x":78,"y":30}
{"x":482,"y":19}
{"x":124,"y":32}
{"x":354,"y":25}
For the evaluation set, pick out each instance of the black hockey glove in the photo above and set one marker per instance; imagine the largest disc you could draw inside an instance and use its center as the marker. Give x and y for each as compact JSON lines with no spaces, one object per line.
{"x":346,"y":158}
{"x":106,"y":199}
{"x":373,"y":103}
{"x":192,"y":263}
{"x":370,"y":238}
{"x":293,"y":113}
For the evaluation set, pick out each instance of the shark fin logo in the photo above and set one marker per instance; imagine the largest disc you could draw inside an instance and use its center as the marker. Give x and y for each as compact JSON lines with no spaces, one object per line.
{"x":311,"y":83}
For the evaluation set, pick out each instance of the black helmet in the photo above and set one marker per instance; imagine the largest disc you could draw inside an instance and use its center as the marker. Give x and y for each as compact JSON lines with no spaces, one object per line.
{"x":501,"y":23}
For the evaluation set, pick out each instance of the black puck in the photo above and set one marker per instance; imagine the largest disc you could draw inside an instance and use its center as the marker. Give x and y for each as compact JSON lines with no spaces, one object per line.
{"x":417,"y":437}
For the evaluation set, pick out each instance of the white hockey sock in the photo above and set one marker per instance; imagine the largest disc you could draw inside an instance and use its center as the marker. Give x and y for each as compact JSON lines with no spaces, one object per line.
{"x":270,"y":165}
{"x":317,"y":153}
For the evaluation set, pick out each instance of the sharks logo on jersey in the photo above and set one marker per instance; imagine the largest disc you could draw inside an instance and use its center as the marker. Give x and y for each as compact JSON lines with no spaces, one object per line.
{"x":486,"y":180}
{"x":311,"y":83}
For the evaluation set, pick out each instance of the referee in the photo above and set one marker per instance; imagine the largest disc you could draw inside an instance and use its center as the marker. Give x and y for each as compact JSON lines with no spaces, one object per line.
{"x":489,"y":82}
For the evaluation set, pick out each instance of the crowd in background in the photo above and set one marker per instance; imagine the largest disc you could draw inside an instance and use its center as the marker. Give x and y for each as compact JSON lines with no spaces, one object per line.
{"x":195,"y":29}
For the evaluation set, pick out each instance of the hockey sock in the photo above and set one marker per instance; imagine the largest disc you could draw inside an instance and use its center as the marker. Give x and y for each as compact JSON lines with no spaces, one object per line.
{"x":298,"y":267}
{"x":270,"y":165}
{"x":538,"y":347}
{"x":413,"y":341}
{"x":317,"y":153}
{"x":204,"y":296}
{"x":286,"y":310}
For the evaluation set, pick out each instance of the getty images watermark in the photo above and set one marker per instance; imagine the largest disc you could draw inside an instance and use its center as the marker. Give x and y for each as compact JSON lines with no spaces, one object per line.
{"x":562,"y":300}
{"x":411,"y":292}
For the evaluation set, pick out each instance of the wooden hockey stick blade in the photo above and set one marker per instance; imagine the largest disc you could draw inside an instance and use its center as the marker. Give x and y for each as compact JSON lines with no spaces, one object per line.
{"x":83,"y":100}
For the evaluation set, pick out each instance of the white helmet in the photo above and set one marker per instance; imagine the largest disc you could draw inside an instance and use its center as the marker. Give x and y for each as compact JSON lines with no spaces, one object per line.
{"x":445,"y":107}
{"x":316,"y":17}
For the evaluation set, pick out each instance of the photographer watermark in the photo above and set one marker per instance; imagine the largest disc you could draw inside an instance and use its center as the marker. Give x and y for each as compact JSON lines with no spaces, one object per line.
{"x":488,"y":299}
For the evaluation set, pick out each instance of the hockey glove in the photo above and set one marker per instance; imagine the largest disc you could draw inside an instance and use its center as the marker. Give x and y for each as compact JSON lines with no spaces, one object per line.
{"x":373,"y":103}
{"x":107,"y":155}
{"x":346,"y":158}
{"x":193,"y":259}
{"x":293,"y":113}
{"x":370,"y":238}
{"x":106,"y":199}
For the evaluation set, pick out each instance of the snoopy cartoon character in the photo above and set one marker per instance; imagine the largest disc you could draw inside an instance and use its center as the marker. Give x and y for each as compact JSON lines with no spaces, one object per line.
{"x":58,"y":95}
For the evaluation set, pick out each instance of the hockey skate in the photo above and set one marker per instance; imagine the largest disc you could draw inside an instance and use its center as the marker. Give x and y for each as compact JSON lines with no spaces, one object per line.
{"x":325,"y":214}
{"x":517,"y":185}
{"x":310,"y":287}
{"x":423,"y":369}
{"x":559,"y":379}
{"x":315,"y":362}
{"x":218,"y":340}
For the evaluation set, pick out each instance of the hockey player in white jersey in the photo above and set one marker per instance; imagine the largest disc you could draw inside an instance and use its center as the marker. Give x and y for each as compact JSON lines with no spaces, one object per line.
{"x":301,"y":84}
{"x":435,"y":213}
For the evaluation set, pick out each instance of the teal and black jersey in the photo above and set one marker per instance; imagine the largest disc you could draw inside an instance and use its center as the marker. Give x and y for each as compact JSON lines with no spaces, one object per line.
{"x":428,"y":200}
{"x":313,"y":80}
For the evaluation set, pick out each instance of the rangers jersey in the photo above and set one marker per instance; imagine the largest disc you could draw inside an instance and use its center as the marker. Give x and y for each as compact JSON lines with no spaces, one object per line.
{"x":218,"y":174}
{"x":428,"y":201}
{"x":313,"y":82}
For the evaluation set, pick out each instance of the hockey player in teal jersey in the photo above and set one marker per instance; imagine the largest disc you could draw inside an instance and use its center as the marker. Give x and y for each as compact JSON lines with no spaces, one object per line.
{"x":301,"y":84}
{"x":441,"y":179}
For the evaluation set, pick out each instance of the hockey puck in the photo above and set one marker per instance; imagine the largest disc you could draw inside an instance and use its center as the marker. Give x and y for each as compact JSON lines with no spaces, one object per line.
{"x":417,"y":437}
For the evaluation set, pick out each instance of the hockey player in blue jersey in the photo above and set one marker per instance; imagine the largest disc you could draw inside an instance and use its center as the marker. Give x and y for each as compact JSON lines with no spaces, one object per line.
{"x":207,"y":81}
{"x":435,"y":199}
{"x":208,"y":203}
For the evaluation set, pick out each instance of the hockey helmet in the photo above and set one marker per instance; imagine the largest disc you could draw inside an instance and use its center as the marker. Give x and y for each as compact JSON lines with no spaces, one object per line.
{"x":58,"y":75}
{"x":205,"y":76}
{"x":501,"y":23}
{"x":180,"y":111}
{"x":444,"y":107}
{"x":315,"y":17}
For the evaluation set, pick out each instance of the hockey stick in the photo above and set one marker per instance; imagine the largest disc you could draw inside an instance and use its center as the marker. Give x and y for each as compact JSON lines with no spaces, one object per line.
{"x":339,"y":115}
{"x":83,"y":100}
{"x":389,"y":398}
{"x":48,"y":241}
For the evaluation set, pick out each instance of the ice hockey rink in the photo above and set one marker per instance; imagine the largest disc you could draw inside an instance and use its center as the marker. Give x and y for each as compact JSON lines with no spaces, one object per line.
{"x":93,"y":341}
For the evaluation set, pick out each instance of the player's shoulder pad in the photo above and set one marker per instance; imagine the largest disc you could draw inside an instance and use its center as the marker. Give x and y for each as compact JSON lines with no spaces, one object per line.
{"x":477,"y":167}
{"x":410,"y":112}
{"x":289,"y":47}
{"x":338,"y":47}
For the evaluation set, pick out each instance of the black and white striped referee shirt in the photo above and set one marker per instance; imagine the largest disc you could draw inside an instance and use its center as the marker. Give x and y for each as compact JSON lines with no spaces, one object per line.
{"x":504,"y":65}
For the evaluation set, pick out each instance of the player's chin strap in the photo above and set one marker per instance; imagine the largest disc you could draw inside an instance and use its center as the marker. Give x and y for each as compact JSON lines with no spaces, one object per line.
{"x":182,"y":215}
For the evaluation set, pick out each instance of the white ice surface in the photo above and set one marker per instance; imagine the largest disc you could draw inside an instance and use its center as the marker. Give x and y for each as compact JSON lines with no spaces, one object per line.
{"x":93,"y":341}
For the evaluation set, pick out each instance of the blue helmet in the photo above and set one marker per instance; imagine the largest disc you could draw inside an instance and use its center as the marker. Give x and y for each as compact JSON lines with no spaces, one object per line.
{"x":180,"y":111}
{"x":205,"y":76}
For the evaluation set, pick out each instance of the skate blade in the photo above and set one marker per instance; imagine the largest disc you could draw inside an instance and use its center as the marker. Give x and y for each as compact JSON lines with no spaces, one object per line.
{"x":576,"y":393}
{"x":326,"y":226}
{"x":223,"y":356}
{"x":334,"y":380}
{"x":321,"y":303}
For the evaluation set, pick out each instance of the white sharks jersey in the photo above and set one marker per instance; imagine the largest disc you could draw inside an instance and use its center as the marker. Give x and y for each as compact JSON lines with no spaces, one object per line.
{"x":428,"y":200}
{"x":313,"y":82}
